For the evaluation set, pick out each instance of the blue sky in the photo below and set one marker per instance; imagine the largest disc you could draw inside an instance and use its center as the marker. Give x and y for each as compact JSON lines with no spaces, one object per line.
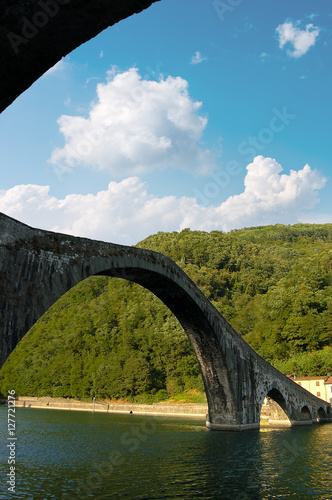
{"x":200,"y":114}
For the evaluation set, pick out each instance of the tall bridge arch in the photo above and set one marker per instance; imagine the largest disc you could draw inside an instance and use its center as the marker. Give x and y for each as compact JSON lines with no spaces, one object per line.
{"x":37,"y":267}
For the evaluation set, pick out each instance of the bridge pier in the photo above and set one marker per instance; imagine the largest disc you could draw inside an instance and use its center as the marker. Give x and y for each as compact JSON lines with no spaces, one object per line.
{"x":230,"y":426}
{"x":301,"y":422}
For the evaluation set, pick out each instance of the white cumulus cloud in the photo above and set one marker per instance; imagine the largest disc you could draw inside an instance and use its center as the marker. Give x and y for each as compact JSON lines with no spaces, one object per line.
{"x":136,"y":126}
{"x":272,"y":197}
{"x":300,"y":39}
{"x":126,"y":212}
{"x":197,"y":58}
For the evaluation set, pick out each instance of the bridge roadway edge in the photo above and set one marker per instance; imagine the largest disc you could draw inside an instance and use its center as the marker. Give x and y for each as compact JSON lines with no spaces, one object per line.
{"x":37,"y":267}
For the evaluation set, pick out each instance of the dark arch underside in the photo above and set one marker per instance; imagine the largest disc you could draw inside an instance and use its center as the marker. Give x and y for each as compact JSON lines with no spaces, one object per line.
{"x":36,"y":34}
{"x":278,"y":406}
{"x":306,"y":413}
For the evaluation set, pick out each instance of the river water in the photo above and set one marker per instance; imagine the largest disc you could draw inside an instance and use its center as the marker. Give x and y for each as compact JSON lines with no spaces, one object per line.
{"x":80,"y":455}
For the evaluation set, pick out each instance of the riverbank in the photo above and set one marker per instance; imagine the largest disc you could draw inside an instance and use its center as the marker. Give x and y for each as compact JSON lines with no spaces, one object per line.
{"x":162,"y":409}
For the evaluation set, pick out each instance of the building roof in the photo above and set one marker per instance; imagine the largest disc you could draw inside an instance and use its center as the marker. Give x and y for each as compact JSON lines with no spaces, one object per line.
{"x":327,"y":379}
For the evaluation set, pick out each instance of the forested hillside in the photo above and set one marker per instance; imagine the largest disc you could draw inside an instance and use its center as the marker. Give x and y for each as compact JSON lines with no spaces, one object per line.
{"x":112,"y":339}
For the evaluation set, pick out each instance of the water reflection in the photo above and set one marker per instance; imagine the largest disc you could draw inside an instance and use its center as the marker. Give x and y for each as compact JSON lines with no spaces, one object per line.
{"x":301,"y":460}
{"x":78,"y":455}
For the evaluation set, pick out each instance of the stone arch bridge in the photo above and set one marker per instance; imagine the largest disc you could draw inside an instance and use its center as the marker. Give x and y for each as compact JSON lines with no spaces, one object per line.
{"x":37,"y":267}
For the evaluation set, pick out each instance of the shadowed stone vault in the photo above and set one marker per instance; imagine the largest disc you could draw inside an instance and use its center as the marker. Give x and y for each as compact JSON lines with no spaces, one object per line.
{"x":37,"y":267}
{"x":36,"y":34}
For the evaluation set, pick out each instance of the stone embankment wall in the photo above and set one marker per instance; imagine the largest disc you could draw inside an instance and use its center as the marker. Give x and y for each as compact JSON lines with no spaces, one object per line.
{"x":191,"y":410}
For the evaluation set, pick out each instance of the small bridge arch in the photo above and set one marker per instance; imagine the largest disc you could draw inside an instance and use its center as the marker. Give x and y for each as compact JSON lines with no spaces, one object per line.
{"x":278,"y":408}
{"x":322,"y":414}
{"x":306,"y":413}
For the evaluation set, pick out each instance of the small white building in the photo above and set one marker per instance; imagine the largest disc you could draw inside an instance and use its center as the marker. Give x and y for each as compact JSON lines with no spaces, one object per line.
{"x":328,"y":389}
{"x":318,"y":386}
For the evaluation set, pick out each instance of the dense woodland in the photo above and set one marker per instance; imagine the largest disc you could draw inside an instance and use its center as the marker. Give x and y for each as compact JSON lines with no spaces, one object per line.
{"x":113,"y":339}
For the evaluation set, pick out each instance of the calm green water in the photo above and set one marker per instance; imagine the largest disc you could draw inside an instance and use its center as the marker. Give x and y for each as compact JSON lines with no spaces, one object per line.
{"x":78,"y":455}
